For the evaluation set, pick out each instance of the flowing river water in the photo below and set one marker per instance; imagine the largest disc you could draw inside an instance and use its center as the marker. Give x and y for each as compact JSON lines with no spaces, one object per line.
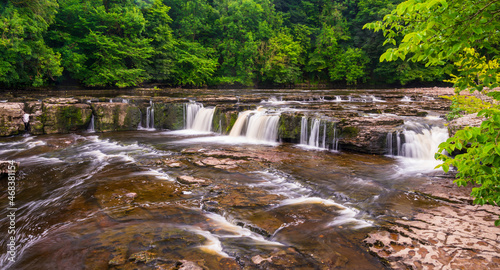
{"x":113,"y":200}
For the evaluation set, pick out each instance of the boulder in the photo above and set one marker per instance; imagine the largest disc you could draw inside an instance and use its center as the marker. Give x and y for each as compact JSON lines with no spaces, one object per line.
{"x":469,"y":120}
{"x":168,"y":116}
{"x":115,"y":116}
{"x":63,"y":118}
{"x":366,"y":134}
{"x":11,"y":118}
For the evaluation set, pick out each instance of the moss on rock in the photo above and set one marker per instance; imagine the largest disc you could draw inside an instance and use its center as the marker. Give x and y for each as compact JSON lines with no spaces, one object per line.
{"x":64,"y":118}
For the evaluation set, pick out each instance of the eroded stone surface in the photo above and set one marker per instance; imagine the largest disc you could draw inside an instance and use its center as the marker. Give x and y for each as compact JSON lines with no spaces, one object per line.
{"x":454,"y":235}
{"x":11,"y":118}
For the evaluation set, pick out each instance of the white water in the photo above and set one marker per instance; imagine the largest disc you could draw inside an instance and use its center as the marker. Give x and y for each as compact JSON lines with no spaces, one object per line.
{"x":150,"y":116}
{"x":258,"y":125}
{"x":190,"y":111}
{"x":335,"y":139}
{"x":421,"y":143}
{"x":198,"y":118}
{"x":91,"y":127}
{"x":406,"y":99}
{"x":303,"y":131}
{"x":314,"y":140}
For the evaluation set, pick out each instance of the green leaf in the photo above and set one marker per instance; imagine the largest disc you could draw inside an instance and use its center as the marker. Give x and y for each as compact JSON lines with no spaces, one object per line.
{"x":487,"y":169}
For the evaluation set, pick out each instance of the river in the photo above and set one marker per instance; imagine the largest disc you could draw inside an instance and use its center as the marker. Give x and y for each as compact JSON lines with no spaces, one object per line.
{"x":120,"y":200}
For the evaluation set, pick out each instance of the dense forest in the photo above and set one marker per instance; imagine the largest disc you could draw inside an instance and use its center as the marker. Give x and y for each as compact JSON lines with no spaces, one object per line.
{"x":194,"y":43}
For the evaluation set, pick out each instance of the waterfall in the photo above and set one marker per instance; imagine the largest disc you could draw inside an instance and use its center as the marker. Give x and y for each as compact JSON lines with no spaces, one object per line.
{"x":91,"y":127}
{"x":150,"y":116}
{"x":303,"y":130}
{"x":191,"y":110}
{"x":314,"y":137}
{"x":313,"y":140}
{"x":323,"y":145}
{"x":140,"y":120}
{"x":389,"y":144}
{"x":421,"y":141}
{"x":335,"y":138}
{"x":338,"y":99}
{"x":203,"y":120}
{"x":256,"y":125}
{"x":196,"y":117}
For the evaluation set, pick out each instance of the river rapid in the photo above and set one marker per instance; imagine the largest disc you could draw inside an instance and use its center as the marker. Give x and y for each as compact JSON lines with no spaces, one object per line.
{"x":160,"y":199}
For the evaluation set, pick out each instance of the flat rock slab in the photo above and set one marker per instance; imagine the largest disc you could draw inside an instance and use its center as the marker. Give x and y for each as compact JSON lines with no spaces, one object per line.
{"x":190,"y":180}
{"x":453,"y":235}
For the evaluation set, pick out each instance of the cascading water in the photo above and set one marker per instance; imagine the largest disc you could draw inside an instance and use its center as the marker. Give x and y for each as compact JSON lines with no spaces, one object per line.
{"x":314,"y":139}
{"x":91,"y":127}
{"x":303,"y":131}
{"x":257,"y":125}
{"x":190,"y":111}
{"x":198,"y":118}
{"x":420,"y":143}
{"x":150,"y":116}
{"x":335,"y":144}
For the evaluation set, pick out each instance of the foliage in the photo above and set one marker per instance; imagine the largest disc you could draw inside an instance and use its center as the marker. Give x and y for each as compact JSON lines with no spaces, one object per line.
{"x":439,"y":33}
{"x":123,"y":43}
{"x":25,"y":58}
{"x":465,"y":104}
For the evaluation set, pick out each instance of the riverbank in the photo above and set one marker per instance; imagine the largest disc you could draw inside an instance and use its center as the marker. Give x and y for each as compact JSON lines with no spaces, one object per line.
{"x":454,"y":235}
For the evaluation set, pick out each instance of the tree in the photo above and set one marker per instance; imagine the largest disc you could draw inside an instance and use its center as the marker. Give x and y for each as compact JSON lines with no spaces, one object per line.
{"x":102,"y":42}
{"x":25,"y":58}
{"x":439,"y":33}
{"x":281,"y":59}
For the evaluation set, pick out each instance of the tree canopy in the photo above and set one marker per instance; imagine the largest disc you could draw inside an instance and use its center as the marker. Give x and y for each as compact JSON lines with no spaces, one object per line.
{"x":249,"y":43}
{"x":460,"y":38}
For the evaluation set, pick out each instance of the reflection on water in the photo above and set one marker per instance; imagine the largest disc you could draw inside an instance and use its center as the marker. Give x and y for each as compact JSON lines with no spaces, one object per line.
{"x":112,"y":200}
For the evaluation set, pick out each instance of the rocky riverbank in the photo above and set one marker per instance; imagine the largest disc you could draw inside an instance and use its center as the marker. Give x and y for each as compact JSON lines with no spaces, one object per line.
{"x":453,"y":235}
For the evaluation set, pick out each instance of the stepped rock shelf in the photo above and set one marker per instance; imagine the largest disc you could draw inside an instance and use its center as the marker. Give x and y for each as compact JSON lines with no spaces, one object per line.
{"x":358,"y":121}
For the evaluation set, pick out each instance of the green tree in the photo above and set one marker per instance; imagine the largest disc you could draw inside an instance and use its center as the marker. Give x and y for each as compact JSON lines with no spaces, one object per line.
{"x":102,"y":42}
{"x":25,"y":58}
{"x":439,"y":33}
{"x":241,"y":27}
{"x":281,"y":59}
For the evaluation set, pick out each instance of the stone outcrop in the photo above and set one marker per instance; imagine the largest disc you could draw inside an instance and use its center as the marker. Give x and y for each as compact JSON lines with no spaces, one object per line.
{"x":470,"y":120}
{"x":115,"y":116}
{"x":366,"y":134}
{"x":11,"y":118}
{"x":168,"y":115}
{"x":63,"y":118}
{"x":454,"y":235}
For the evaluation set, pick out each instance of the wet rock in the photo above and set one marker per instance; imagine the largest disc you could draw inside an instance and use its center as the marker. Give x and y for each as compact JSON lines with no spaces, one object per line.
{"x":65,"y":118}
{"x":115,"y":116}
{"x":190,"y":180}
{"x":454,"y":235}
{"x":5,"y":165}
{"x":143,"y":256}
{"x":367,"y":134}
{"x":11,"y":118}
{"x":225,"y":163}
{"x":168,"y":116}
{"x":60,"y":100}
{"x":189,"y":265}
{"x":289,"y":128}
{"x":224,"y":118}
